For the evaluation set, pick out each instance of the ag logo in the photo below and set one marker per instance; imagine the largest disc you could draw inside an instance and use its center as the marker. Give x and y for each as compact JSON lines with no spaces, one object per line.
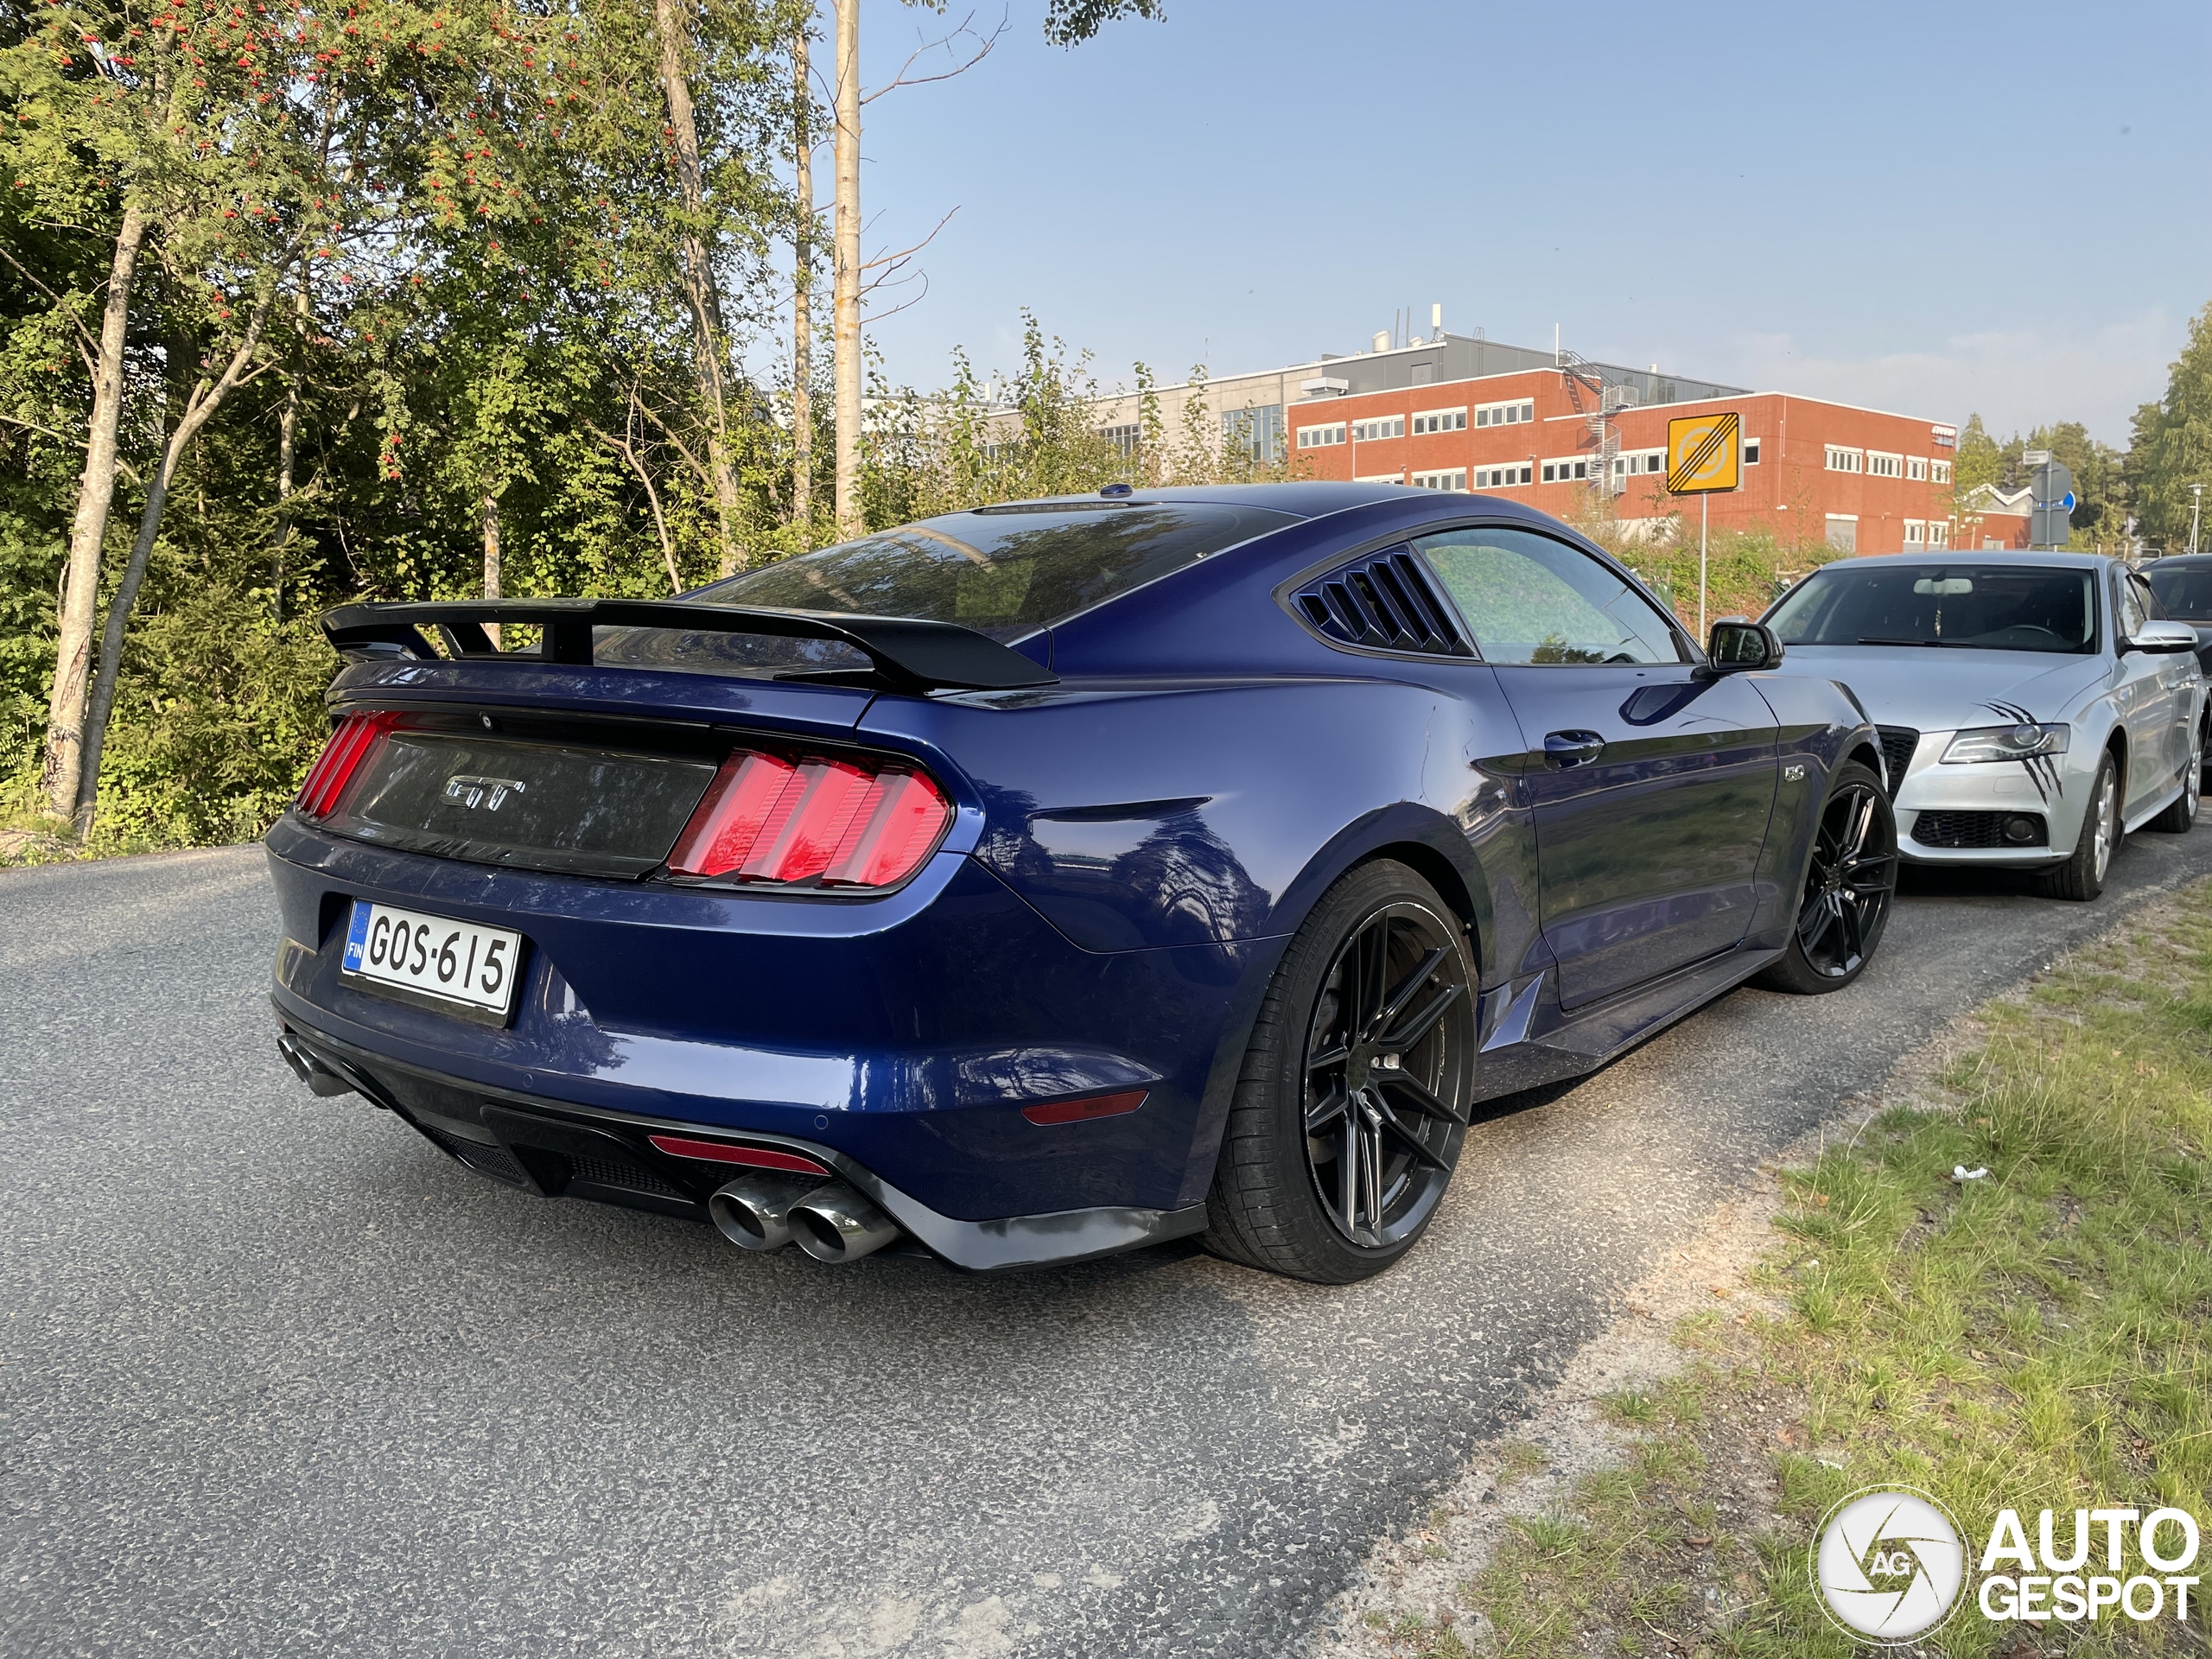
{"x":1888,"y":1564}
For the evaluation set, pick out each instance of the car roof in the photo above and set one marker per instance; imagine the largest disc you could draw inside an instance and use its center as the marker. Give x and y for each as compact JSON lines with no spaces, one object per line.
{"x":1303,"y":500}
{"x":2188,"y":560}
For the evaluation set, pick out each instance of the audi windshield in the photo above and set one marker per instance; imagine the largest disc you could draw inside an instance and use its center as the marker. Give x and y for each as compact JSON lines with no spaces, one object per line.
{"x":1964,"y":606}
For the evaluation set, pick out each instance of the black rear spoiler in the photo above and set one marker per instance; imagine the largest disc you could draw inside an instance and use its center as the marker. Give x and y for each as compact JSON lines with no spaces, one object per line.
{"x":908,"y":654}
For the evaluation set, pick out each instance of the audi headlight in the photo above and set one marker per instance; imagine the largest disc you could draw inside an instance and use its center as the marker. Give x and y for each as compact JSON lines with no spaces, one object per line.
{"x":2004,"y":743}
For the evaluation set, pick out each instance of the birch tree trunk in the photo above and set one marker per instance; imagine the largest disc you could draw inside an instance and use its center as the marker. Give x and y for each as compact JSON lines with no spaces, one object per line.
{"x":802,"y":295}
{"x":702,"y":295}
{"x":207,"y":397}
{"x":846,"y":335}
{"x":288,"y":444}
{"x":491,"y":558}
{"x":63,"y":764}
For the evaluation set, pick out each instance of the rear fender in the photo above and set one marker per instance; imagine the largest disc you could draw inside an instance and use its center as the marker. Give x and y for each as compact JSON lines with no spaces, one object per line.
{"x":1139,"y":814}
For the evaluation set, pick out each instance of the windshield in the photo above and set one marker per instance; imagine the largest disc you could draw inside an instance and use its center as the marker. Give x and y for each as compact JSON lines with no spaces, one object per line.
{"x":1974,"y":607}
{"x":2184,"y":590}
{"x":1003,"y":571}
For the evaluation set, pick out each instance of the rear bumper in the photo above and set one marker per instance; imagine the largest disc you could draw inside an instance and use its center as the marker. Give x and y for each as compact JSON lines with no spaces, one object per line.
{"x":554,"y":1149}
{"x":905,"y":1034}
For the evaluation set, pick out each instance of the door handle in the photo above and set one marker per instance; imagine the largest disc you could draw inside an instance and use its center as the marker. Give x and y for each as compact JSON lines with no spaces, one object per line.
{"x":1573,"y":748}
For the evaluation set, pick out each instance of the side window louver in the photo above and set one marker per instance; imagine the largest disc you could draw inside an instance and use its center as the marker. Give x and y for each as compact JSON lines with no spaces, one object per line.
{"x":1386,"y":602}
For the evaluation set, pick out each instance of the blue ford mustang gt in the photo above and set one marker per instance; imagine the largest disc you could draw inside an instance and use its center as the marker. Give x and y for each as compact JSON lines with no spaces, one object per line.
{"x":1040,"y":881}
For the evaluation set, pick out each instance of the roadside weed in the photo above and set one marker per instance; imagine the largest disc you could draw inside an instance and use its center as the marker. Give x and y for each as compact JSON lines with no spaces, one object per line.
{"x":2040,"y":1337}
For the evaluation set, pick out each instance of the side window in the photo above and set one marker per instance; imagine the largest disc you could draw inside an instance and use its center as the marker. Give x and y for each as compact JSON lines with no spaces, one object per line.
{"x":2132,"y":614}
{"x":1529,"y":599}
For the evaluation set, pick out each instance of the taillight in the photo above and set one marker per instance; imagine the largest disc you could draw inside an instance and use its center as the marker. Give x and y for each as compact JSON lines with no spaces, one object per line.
{"x":340,"y":759}
{"x":843,"y":823}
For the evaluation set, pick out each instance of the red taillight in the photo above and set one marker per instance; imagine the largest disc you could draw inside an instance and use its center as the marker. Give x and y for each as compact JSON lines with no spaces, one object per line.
{"x":843,"y":823}
{"x":341,"y":758}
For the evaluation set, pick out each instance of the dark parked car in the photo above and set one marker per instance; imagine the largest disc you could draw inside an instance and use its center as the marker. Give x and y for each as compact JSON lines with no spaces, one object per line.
{"x":2182,"y":586}
{"x":1048,"y":879}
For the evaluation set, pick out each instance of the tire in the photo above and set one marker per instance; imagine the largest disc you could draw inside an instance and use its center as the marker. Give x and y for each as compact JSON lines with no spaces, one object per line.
{"x":2180,"y":817}
{"x":1851,"y":880}
{"x":1381,"y":956}
{"x":2082,"y":876}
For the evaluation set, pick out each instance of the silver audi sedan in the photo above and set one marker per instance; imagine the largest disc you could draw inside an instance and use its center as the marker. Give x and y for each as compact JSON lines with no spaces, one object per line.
{"x":2034,"y":708}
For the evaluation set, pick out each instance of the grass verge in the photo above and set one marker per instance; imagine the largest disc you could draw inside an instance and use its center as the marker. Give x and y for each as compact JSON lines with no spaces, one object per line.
{"x":2035,"y":1339}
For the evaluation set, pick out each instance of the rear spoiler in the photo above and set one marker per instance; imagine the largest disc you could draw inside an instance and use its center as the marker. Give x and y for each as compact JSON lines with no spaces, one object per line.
{"x":907,"y":653}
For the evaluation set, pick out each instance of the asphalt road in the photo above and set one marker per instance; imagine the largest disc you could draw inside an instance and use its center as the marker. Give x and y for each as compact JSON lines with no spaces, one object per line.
{"x":277,"y":1379}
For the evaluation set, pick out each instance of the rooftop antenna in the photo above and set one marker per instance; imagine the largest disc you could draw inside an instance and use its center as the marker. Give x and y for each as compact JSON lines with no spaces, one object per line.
{"x":1436,"y":321}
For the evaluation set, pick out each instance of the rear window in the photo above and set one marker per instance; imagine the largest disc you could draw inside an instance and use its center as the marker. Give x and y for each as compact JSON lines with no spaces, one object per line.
{"x":1002,"y":571}
{"x":1970,"y":606}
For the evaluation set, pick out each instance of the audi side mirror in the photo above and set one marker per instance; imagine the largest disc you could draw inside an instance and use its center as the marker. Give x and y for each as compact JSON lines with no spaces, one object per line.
{"x":1738,"y":645}
{"x":2163,"y":637}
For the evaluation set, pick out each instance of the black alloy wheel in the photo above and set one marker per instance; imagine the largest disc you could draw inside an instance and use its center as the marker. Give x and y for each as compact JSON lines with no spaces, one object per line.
{"x":1380,"y":1138}
{"x":1353,"y":1100}
{"x":1850,"y":881}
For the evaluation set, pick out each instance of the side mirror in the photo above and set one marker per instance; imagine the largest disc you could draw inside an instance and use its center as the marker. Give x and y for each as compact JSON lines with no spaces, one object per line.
{"x":2163,"y":637}
{"x":1738,"y":644}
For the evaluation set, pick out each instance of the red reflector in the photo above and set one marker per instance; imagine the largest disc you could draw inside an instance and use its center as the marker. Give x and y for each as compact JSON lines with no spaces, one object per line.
{"x":718,"y":1152}
{"x":341,"y":758}
{"x":841,"y":821}
{"x":1076,"y":1111}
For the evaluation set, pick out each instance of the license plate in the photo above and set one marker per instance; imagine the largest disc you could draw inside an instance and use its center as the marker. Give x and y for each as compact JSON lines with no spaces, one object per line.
{"x":457,"y":966}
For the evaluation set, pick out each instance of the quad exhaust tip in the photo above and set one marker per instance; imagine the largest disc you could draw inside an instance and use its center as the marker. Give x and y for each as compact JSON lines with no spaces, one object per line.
{"x":831,"y":1222}
{"x":751,"y":1211}
{"x":835,"y":1224}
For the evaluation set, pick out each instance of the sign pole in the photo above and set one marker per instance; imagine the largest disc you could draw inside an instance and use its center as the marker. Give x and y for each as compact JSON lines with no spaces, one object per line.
{"x":1704,"y":512}
{"x":1704,"y":454}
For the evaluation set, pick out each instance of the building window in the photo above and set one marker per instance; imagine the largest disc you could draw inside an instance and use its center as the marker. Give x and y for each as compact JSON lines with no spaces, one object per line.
{"x":1320,"y":437}
{"x":1505,"y":414}
{"x":1844,"y":461}
{"x":1257,"y":432}
{"x":1915,"y":533}
{"x":1843,"y":531}
{"x":1938,"y":472}
{"x":1498,"y":478}
{"x":1916,"y":469}
{"x":1881,"y":466}
{"x":1751,"y":452}
{"x":1439,"y":420}
{"x":1566,"y":472}
{"x":1939,"y":533}
{"x":1380,"y":478}
{"x":1383,"y":426}
{"x":1123,"y":438}
{"x":1442,"y":481}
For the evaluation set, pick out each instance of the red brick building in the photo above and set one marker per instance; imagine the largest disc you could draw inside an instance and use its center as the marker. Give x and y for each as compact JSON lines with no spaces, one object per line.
{"x":1463,"y":412}
{"x":1858,"y":479}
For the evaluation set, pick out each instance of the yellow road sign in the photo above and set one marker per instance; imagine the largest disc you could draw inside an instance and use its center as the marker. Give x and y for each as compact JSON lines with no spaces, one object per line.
{"x":1704,"y":454}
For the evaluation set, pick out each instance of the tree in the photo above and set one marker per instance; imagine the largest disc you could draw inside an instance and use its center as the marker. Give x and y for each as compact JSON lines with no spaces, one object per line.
{"x":2172,"y":445}
{"x":225,"y":147}
{"x":1067,"y":22}
{"x":803,"y":236}
{"x":1980,"y":460}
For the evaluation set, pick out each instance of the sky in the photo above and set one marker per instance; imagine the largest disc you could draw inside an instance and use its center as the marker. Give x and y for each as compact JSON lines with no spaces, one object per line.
{"x":1938,"y":209}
